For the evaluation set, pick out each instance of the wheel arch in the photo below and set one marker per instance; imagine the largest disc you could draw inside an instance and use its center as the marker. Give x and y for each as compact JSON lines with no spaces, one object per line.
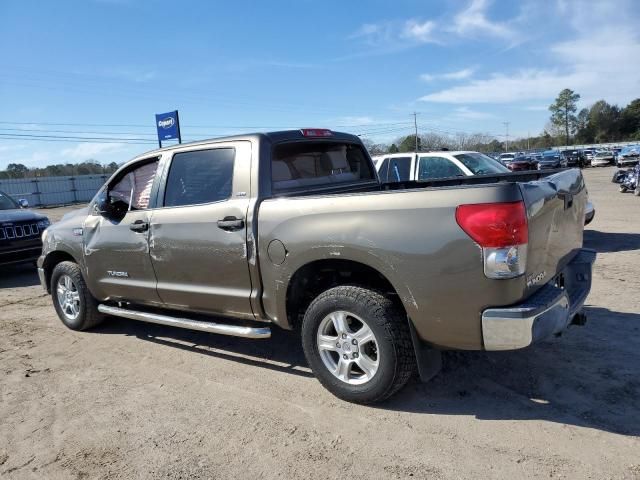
{"x":317,"y":276}
{"x":51,"y":260}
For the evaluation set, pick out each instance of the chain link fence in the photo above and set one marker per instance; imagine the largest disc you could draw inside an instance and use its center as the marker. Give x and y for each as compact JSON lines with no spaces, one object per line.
{"x":50,"y":191}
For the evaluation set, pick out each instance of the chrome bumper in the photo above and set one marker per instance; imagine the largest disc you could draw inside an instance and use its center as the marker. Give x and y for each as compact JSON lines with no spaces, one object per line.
{"x":550,"y":310}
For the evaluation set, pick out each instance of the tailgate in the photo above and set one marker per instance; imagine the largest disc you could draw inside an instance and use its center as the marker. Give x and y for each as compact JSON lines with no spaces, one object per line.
{"x":555,"y":211}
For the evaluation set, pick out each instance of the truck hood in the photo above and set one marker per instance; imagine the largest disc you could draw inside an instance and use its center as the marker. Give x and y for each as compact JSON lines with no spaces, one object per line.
{"x":81,"y":212}
{"x":19,"y":215}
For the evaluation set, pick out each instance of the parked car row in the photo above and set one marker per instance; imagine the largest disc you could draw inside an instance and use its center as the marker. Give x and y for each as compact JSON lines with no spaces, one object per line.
{"x":519,"y":161}
{"x":425,"y":166}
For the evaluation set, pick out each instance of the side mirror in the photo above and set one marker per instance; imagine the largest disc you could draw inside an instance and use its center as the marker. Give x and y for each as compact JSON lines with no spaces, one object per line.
{"x":101,"y":205}
{"x":23,"y":203}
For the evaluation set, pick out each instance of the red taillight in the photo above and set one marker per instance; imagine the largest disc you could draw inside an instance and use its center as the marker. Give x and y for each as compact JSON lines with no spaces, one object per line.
{"x":494,"y":224}
{"x":316,"y":132}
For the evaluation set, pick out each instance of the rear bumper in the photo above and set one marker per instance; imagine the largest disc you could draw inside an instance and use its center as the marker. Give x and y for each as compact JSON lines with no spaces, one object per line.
{"x":550,"y":310}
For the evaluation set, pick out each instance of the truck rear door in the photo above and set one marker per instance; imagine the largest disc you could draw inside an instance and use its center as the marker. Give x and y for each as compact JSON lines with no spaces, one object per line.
{"x":198,"y":233}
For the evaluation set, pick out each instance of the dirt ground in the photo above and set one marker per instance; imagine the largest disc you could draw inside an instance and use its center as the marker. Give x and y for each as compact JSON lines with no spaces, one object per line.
{"x":132,"y":400}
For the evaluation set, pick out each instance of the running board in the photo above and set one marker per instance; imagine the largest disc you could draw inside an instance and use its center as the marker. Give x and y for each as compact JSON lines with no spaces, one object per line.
{"x":202,"y":326}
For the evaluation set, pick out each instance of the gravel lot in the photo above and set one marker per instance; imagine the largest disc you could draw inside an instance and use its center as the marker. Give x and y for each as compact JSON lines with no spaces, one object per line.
{"x":131,"y":400}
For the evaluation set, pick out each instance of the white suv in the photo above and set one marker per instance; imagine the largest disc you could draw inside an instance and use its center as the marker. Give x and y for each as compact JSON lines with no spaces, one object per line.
{"x":403,"y":167}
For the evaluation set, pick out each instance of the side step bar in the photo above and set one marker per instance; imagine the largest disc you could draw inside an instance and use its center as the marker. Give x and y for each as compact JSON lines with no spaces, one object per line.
{"x":211,"y":327}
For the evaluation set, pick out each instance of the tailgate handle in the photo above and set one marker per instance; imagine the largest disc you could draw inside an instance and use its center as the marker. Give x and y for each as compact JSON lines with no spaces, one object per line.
{"x":567,"y":198}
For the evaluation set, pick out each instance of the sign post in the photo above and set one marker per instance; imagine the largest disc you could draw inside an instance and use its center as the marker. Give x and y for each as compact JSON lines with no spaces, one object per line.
{"x":168,"y":127}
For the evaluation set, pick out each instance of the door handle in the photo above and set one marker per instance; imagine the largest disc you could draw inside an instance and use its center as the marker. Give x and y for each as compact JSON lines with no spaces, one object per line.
{"x":231,"y":223}
{"x":139,"y":226}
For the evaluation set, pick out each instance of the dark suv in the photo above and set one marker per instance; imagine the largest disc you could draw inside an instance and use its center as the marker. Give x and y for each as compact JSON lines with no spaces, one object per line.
{"x":20,"y":231}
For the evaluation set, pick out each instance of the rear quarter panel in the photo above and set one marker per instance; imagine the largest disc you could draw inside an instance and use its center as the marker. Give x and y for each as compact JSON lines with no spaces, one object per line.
{"x":410,"y":236}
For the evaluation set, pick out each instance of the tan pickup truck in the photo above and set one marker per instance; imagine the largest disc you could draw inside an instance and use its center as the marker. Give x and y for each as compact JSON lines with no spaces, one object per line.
{"x":293,"y":229}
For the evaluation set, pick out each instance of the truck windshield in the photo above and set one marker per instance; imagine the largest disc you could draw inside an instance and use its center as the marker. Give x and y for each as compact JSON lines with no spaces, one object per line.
{"x":7,"y":203}
{"x":318,"y":164}
{"x":480,"y":164}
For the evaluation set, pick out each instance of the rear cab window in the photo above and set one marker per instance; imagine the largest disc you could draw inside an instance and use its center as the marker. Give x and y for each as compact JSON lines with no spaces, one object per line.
{"x":304,"y":165}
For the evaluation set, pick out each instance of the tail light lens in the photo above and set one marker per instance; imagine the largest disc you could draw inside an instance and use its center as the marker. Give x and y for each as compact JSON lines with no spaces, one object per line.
{"x":502,"y":232}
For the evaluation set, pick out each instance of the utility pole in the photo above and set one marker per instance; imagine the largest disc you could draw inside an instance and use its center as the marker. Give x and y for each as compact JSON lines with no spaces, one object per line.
{"x":415,"y":124}
{"x":528,"y":137}
{"x":506,"y":125}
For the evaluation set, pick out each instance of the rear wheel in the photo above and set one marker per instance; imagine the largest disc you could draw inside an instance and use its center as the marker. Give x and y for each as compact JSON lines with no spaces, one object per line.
{"x":358,"y":344}
{"x":636,"y":191}
{"x":72,"y":300}
{"x":623,"y":189}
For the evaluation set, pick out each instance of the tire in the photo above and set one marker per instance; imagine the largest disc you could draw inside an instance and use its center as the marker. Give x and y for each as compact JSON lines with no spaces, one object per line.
{"x":623,"y":189}
{"x":72,"y":300}
{"x":387,"y":359}
{"x":636,"y":191}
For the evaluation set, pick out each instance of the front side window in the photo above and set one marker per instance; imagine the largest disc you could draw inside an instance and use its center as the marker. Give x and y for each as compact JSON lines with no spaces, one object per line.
{"x":134,"y":188}
{"x":201,"y":176}
{"x":431,"y":168}
{"x":480,"y":164}
{"x":318,"y":164}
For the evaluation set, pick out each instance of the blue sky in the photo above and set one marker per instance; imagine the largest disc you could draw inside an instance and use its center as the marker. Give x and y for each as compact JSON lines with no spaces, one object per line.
{"x":231,"y":67}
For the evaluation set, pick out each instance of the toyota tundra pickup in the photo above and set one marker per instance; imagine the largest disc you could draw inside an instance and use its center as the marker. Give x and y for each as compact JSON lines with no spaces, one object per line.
{"x":294,"y":230}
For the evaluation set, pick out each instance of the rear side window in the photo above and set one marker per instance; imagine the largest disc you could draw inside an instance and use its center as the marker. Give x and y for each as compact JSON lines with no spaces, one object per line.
{"x":198,"y":177}
{"x":399,"y":169}
{"x":311,"y":164}
{"x":437,"y":167}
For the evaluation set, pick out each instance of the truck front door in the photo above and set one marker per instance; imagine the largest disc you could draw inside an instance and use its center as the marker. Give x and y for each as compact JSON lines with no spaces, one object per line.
{"x":198,"y":238}
{"x":116,"y":242}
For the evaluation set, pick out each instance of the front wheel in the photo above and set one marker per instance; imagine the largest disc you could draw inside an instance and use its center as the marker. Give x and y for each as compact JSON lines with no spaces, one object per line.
{"x":357,"y":343}
{"x":623,"y":189}
{"x":72,"y":300}
{"x":636,"y":191}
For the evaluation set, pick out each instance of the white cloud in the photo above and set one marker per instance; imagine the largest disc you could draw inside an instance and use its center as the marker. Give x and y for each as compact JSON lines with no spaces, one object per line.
{"x":391,"y":36}
{"x":419,"y":32}
{"x":473,"y":21}
{"x":594,"y":66}
{"x":465,"y":113}
{"x":457,"y":75}
{"x":86,"y":151}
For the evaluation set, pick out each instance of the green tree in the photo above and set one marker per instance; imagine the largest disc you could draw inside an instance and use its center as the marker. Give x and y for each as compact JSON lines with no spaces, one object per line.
{"x":563,"y":111}
{"x":604,"y":121}
{"x":408,"y":144}
{"x":630,"y":120}
{"x":393,"y":148}
{"x":17,"y":170}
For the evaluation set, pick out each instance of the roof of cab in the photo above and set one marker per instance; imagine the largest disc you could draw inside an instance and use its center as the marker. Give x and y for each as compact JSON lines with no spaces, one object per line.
{"x":273,"y":137}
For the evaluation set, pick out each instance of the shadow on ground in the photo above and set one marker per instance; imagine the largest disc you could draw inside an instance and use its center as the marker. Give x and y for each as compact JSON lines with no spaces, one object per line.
{"x":604,"y":242}
{"x":579,"y":379}
{"x":19,"y":275}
